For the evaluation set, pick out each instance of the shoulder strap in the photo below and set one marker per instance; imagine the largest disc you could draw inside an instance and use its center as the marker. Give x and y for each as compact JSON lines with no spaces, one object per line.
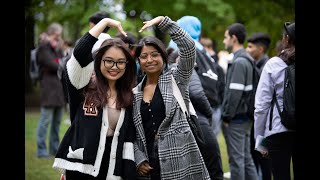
{"x":178,"y":96}
{"x":274,"y":100}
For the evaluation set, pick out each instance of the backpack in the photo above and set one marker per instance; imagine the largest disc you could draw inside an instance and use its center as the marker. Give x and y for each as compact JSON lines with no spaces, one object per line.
{"x":255,"y":82}
{"x":211,"y":76}
{"x":34,"y":69}
{"x":287,"y":115}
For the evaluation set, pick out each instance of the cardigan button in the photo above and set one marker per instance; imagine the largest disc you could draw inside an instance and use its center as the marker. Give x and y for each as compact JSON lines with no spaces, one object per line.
{"x":113,"y":156}
{"x":116,"y":133}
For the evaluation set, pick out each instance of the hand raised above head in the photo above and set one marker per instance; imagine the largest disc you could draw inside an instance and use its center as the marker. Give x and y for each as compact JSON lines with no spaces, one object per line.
{"x":152,"y":22}
{"x":106,"y":22}
{"x":116,"y":24}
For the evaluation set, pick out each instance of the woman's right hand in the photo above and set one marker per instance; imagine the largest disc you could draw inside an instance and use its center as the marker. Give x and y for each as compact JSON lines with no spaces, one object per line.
{"x":144,"y":168}
{"x":101,"y":25}
{"x":115,"y":24}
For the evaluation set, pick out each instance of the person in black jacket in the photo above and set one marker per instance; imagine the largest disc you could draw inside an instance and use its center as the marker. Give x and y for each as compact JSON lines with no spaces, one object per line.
{"x":99,"y":142}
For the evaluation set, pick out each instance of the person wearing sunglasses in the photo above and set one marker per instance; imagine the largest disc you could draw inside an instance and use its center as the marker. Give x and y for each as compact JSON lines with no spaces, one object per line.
{"x":99,"y":142}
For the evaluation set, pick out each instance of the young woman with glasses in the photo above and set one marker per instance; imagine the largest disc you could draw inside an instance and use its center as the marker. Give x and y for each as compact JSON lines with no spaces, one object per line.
{"x":99,"y":142}
{"x":165,"y":147}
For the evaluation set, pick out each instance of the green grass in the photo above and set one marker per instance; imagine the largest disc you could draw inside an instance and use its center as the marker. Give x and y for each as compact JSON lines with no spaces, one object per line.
{"x":35,"y":168}
{"x":41,"y":169}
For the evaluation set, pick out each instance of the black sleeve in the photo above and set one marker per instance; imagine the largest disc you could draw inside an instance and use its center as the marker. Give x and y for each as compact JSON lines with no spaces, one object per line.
{"x":82,"y":50}
{"x":74,"y":96}
{"x":221,"y":82}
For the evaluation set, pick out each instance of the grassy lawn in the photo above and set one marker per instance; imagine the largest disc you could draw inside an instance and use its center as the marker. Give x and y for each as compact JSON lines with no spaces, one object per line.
{"x":41,"y":169}
{"x":38,"y":169}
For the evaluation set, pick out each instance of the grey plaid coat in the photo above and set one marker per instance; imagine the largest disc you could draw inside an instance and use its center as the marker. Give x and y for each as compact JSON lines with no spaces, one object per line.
{"x":179,"y":154}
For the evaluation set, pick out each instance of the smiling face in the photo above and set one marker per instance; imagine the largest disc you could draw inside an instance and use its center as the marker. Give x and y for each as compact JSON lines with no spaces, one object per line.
{"x":151,"y":61}
{"x":113,"y":63}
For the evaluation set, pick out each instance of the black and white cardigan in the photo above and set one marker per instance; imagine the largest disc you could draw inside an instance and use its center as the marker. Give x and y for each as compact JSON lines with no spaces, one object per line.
{"x":82,"y":146}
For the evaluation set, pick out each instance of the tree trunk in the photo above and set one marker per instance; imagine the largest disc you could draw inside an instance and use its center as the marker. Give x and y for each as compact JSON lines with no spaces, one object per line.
{"x":29,"y":44}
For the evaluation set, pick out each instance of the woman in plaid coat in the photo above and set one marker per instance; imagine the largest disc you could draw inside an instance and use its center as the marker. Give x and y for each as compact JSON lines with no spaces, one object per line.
{"x":165,"y":147}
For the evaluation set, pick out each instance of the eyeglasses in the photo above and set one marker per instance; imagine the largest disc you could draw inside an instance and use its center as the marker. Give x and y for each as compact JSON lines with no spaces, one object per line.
{"x":110,"y":63}
{"x":144,"y":56}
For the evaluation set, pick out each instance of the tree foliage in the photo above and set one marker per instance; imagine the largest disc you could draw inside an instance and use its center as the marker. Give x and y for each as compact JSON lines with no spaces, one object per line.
{"x":265,"y":15}
{"x":216,"y":15}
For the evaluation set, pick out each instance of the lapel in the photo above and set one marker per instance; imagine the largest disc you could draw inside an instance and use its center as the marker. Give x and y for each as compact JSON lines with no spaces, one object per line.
{"x":137,"y":120}
{"x":165,"y":86}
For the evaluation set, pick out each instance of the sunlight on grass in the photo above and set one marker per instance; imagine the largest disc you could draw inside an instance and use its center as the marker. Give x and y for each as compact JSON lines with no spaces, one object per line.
{"x":223,"y":152}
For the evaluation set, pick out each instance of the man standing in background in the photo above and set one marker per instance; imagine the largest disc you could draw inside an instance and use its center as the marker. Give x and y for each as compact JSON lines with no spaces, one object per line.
{"x":234,"y":115}
{"x":257,"y":47}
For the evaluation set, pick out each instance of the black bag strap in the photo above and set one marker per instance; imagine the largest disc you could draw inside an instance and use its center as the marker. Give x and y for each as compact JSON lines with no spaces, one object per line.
{"x":274,"y":101}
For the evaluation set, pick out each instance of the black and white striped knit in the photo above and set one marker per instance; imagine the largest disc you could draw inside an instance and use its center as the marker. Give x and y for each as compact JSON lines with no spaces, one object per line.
{"x":83,"y":144}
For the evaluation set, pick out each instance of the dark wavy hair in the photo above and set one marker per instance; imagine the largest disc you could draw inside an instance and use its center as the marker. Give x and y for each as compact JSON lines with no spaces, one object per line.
{"x":288,"y":54}
{"x":96,"y":91}
{"x":156,"y":43}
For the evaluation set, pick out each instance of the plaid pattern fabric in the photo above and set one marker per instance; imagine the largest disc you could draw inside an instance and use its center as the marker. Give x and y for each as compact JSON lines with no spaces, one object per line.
{"x":179,"y":154}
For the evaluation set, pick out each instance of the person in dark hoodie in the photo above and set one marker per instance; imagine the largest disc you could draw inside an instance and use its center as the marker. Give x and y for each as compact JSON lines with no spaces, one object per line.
{"x":207,"y":104}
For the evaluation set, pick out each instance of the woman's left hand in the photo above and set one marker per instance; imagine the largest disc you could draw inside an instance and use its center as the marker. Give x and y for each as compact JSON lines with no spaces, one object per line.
{"x":152,"y":22}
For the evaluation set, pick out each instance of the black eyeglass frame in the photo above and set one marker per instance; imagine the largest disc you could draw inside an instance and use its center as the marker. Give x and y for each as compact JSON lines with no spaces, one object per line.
{"x":114,"y":62}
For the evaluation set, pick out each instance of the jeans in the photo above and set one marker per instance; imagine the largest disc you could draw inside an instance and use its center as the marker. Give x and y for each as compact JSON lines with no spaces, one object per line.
{"x":238,"y":145}
{"x":216,"y":120}
{"x":48,"y":115}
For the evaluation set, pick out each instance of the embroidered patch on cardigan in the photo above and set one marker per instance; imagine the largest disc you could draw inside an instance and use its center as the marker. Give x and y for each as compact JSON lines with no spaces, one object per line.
{"x":90,"y":110}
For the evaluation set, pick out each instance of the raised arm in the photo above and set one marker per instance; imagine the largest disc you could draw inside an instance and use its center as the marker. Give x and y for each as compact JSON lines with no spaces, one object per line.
{"x":80,"y":66}
{"x":184,"y":42}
